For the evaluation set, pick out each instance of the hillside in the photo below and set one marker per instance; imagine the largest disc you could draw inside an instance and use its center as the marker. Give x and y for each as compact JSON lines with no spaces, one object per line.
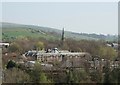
{"x":13,"y":31}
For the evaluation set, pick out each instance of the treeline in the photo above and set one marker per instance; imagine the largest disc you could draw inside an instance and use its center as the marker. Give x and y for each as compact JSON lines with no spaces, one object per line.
{"x":99,"y":48}
{"x":21,"y":74}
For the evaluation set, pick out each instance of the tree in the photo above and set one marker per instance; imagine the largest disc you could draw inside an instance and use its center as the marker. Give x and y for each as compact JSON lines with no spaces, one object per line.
{"x":115,"y":78}
{"x":25,"y":43}
{"x":39,"y":45}
{"x":37,"y":75}
{"x":106,"y":70}
{"x":15,"y":75}
{"x":77,"y":76}
{"x":107,"y":52}
{"x":14,"y":47}
{"x":96,"y":76}
{"x":43,"y":78}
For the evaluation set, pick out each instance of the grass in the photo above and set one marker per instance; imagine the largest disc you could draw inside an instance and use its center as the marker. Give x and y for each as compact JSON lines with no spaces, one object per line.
{"x":9,"y":33}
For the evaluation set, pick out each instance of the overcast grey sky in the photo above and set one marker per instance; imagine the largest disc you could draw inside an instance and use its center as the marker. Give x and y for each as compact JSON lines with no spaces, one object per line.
{"x":85,"y":17}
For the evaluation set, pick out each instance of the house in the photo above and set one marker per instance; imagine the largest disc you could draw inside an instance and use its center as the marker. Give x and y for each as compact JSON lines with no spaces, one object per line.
{"x":30,"y":63}
{"x":4,"y":44}
{"x":31,"y":55}
{"x":113,"y":45}
{"x":54,"y":55}
{"x":64,"y":57}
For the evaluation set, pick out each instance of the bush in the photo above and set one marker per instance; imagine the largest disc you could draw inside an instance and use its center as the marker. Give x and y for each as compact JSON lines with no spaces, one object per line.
{"x":11,"y":64}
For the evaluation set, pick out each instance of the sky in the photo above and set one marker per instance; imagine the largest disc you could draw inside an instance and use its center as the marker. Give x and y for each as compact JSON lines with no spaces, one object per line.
{"x":81,"y":17}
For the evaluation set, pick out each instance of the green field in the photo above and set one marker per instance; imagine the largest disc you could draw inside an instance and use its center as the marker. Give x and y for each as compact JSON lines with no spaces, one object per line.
{"x":17,"y":32}
{"x":13,"y":31}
